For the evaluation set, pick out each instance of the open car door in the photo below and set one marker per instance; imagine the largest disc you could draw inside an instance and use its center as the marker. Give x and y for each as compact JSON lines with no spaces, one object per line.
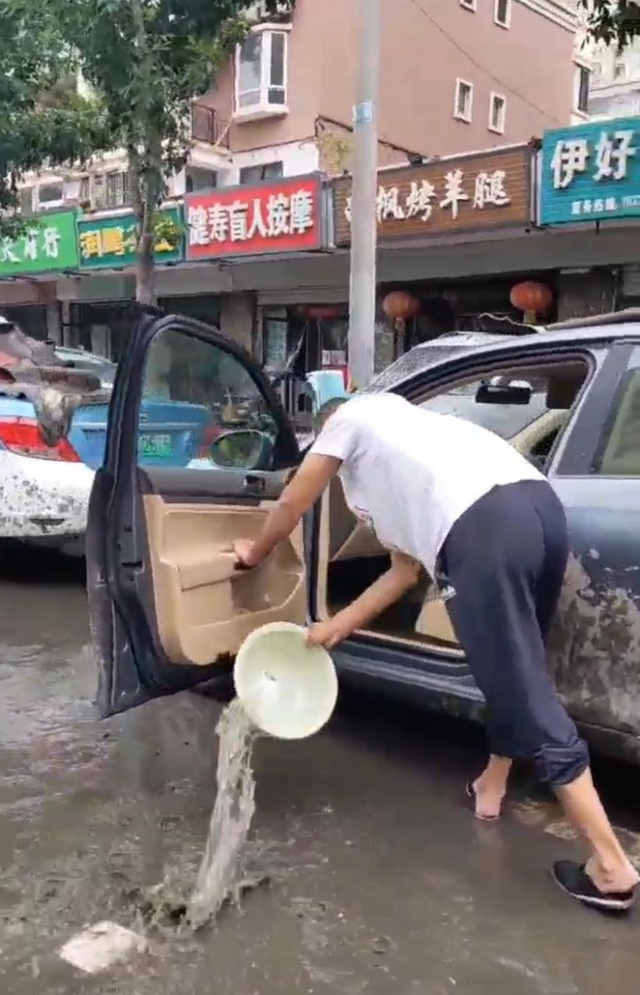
{"x":168,"y":606}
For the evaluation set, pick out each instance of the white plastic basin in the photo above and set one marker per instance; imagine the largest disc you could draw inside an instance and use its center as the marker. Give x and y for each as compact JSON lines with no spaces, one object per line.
{"x":286,"y":688}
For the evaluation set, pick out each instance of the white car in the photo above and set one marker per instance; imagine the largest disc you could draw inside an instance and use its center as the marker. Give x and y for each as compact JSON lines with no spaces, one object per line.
{"x":52,"y":435}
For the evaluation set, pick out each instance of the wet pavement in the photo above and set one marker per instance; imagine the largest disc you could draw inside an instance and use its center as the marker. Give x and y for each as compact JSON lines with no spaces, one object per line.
{"x":381,"y":882}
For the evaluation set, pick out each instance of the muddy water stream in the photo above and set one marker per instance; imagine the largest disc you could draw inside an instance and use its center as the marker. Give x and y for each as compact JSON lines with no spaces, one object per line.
{"x":219,"y":877}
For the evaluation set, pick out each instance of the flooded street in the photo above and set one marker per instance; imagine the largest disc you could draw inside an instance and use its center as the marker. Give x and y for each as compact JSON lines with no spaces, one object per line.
{"x":380,"y":880}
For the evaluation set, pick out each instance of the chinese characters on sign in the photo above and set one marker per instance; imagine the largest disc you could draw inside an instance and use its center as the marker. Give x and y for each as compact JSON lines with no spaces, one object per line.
{"x":282,"y":216}
{"x":422,"y":199}
{"x":110,"y":243}
{"x":49,"y":245}
{"x":456,"y":194}
{"x":591,"y":172}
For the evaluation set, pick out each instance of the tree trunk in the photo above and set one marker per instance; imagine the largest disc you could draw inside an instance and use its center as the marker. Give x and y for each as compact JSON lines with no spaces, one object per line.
{"x":145,"y":264}
{"x":144,"y":204}
{"x":145,"y":166}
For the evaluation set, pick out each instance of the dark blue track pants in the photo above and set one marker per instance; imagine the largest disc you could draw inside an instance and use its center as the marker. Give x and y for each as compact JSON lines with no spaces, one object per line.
{"x":506,"y":558}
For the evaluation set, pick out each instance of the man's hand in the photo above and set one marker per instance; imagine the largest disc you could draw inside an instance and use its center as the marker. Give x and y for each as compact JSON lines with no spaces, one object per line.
{"x":246,"y":553}
{"x":327,"y":634}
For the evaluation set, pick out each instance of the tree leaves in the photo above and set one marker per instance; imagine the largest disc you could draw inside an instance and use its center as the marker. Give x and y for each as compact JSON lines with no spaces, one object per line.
{"x":613,"y":21}
{"x":145,"y":61}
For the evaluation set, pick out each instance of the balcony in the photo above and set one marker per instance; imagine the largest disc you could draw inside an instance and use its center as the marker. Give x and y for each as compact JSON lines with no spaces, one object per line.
{"x":207,"y":127}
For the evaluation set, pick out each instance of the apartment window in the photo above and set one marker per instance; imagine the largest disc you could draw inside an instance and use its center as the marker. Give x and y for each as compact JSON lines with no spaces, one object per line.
{"x":197,"y":179}
{"x":582,"y":95}
{"x":50,"y":194}
{"x":261,"y":74}
{"x":502,"y":13}
{"x":257,"y":174}
{"x":497,"y":113}
{"x":25,"y":197}
{"x":117,"y":189}
{"x":104,"y":191}
{"x":619,"y":69}
{"x":463,"y":109}
{"x":469,"y":4}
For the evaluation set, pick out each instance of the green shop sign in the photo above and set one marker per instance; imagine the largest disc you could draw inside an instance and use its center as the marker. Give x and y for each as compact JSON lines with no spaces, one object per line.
{"x":110,"y":243}
{"x":50,"y":245}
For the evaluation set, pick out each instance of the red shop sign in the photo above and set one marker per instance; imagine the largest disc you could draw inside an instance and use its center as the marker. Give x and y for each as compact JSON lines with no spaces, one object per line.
{"x":284,"y":216}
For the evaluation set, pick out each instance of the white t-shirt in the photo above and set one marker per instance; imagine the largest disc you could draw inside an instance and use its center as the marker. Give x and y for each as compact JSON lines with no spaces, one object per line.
{"x":411,"y":473}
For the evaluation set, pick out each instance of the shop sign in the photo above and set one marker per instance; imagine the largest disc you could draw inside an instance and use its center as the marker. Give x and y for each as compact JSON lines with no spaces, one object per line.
{"x":591,"y":172}
{"x":281,"y":216}
{"x":461,"y":193}
{"x":50,"y":245}
{"x":110,"y":243}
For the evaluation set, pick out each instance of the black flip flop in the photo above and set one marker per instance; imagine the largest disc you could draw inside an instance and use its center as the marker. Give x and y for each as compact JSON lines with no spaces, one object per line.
{"x":574,"y":880}
{"x":471,"y":793}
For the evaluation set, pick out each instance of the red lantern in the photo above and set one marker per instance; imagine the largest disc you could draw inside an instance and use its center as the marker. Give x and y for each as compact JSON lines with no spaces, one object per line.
{"x":400,"y":306}
{"x":532,"y":298}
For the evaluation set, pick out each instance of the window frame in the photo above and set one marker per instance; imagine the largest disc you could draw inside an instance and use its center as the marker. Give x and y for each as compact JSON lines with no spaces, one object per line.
{"x":470,"y":5}
{"x":263,"y":106}
{"x":262,"y":166}
{"x":497,"y":129}
{"x":458,"y":115}
{"x":583,"y":88}
{"x":628,"y":373}
{"x":506,"y":24}
{"x":48,"y":205}
{"x":466,"y":369}
{"x":622,"y":65}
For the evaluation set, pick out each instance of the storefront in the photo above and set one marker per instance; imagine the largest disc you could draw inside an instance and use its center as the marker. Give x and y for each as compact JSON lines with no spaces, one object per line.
{"x":446,"y":206}
{"x":275,"y":222}
{"x":101,"y":320}
{"x":590,"y":182}
{"x":27,"y":290}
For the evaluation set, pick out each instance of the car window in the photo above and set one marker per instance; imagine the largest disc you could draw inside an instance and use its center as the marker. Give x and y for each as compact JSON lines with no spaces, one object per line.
{"x":201,"y":409}
{"x":620,"y":451}
{"x":506,"y":420}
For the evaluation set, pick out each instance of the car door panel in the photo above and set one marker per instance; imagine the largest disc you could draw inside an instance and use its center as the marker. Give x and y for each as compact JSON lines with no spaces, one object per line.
{"x":168,"y":603}
{"x":204,"y":604}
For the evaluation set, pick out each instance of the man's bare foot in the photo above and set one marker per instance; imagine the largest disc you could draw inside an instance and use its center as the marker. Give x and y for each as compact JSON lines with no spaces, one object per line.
{"x":623,"y":877}
{"x":487,"y":801}
{"x":576,"y":882}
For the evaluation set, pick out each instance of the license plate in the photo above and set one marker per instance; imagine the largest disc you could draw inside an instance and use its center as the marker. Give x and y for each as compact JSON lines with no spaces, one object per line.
{"x":154,"y":445}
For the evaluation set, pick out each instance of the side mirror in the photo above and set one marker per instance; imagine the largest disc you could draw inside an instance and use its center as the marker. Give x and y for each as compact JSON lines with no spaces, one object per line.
{"x":246,"y":449}
{"x":505,"y":393}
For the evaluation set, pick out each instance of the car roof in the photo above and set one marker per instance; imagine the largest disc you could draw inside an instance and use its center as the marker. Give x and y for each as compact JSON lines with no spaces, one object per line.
{"x":602,"y":327}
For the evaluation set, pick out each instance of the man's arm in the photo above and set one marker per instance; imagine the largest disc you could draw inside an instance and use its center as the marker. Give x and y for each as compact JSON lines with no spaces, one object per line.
{"x":298,"y":497}
{"x":402,"y":575}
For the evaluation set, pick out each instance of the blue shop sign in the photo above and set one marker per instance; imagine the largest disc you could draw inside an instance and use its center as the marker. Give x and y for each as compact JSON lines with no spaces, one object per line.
{"x":591,"y":172}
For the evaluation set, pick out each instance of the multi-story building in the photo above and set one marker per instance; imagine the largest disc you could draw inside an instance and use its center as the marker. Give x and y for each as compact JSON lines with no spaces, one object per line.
{"x":455,"y":76}
{"x":615,"y":83}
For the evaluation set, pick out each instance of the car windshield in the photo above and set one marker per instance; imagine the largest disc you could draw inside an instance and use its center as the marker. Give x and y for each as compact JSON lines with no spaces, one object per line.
{"x":506,"y":420}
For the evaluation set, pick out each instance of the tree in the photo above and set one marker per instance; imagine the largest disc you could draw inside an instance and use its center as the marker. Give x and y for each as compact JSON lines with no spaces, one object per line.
{"x":43,"y":120}
{"x":146,"y":61}
{"x":615,"y":22}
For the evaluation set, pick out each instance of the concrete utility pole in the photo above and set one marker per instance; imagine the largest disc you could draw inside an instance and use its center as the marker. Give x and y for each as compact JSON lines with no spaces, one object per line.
{"x":362,"y":307}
